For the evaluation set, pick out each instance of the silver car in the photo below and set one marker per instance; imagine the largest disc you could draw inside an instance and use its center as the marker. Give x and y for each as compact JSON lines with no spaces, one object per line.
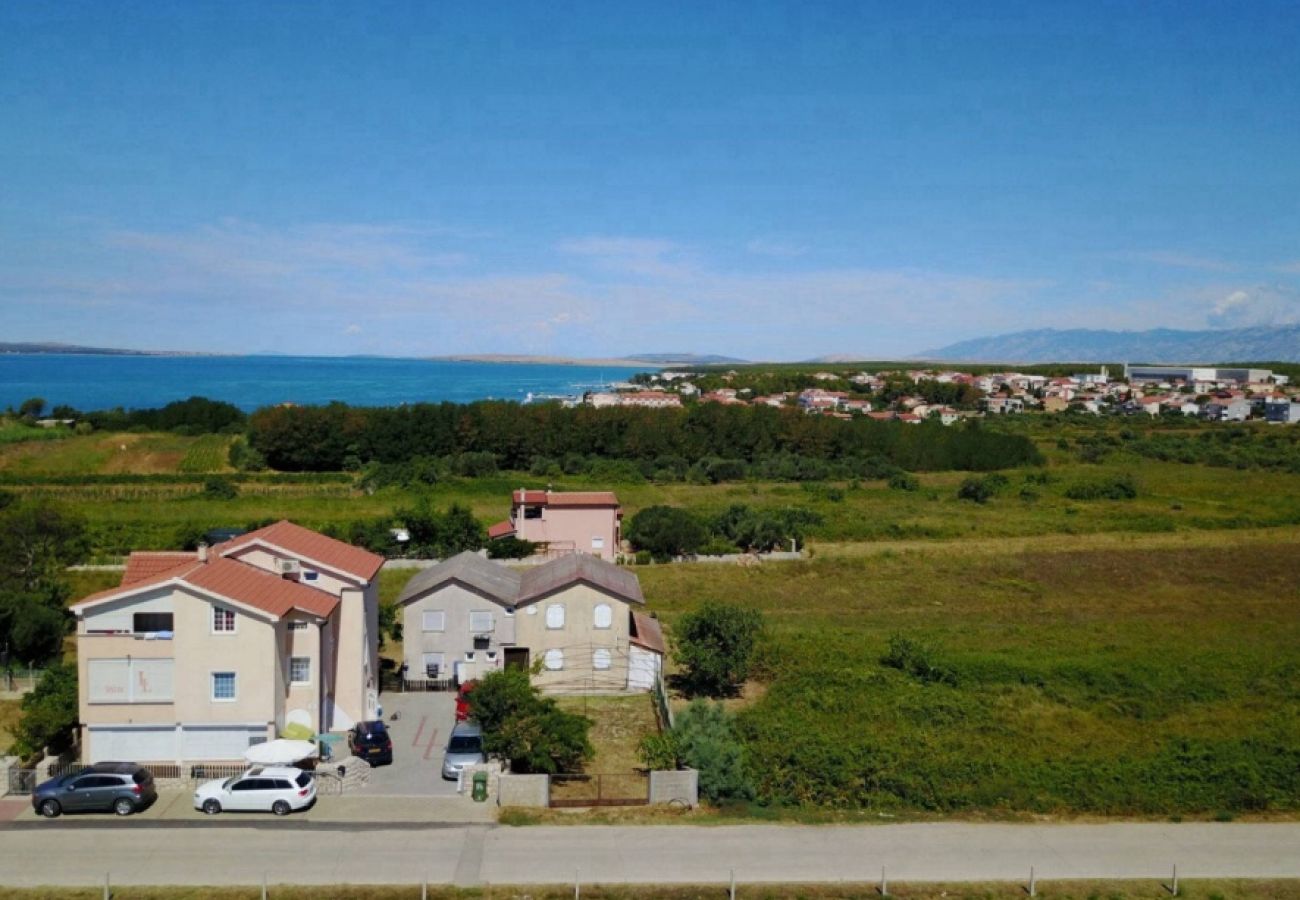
{"x":464,"y":748}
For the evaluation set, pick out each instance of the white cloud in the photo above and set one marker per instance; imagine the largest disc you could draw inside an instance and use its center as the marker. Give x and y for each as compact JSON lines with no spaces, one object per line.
{"x":778,"y":249}
{"x":632,"y":256}
{"x":1268,"y":304}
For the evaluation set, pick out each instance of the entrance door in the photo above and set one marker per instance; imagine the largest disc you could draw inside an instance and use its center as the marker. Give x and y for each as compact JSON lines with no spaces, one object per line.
{"x":517,"y":658}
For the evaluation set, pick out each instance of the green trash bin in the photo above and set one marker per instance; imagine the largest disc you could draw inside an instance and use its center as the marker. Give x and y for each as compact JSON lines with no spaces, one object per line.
{"x":480,"y":786}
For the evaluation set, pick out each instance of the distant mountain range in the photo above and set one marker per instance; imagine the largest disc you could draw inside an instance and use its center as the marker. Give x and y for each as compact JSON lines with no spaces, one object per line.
{"x":1271,"y":343}
{"x":685,"y":359}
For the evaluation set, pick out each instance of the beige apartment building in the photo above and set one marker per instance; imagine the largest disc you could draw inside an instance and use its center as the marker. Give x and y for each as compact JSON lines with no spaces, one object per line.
{"x":195,"y":656}
{"x":565,"y":522}
{"x":577,"y":619}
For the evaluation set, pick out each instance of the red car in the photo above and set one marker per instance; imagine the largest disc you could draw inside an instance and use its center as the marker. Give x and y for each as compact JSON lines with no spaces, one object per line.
{"x":462,"y":700}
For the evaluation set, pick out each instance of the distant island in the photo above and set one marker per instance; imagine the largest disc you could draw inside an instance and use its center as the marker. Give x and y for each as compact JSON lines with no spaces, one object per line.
{"x":54,"y":347}
{"x":630,"y":362}
{"x":1265,"y":343}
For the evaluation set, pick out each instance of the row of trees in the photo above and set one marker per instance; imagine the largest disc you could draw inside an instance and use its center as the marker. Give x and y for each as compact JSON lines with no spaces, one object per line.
{"x":668,"y":531}
{"x":335,"y":437}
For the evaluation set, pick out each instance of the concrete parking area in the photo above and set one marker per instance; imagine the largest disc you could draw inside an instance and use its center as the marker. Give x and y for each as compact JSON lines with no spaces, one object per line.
{"x":424,"y":720}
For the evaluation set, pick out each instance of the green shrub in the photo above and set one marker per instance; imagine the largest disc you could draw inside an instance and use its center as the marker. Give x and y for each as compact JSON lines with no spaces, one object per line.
{"x":527,"y":729}
{"x":1118,"y":487}
{"x":904,"y":481}
{"x":916,"y":659}
{"x":217,"y":488}
{"x":49,"y":712}
{"x":666,"y":531}
{"x":705,"y":739}
{"x":510,"y":547}
{"x":715,"y":647}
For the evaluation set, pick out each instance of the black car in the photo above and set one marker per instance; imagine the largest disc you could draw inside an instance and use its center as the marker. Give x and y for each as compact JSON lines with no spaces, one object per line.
{"x":117,"y":787}
{"x":370,"y":741}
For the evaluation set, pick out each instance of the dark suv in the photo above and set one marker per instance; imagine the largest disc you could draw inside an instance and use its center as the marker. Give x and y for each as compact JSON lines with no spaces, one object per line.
{"x":118,"y":787}
{"x":370,"y":741}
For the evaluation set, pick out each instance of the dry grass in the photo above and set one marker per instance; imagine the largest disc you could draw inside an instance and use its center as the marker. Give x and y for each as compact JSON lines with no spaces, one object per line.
{"x":619,"y":723}
{"x":8,"y":722}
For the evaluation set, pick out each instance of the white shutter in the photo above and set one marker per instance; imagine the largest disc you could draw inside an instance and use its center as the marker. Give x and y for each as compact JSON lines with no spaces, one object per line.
{"x":555,"y":615}
{"x":604,"y":615}
{"x":600,"y":659}
{"x":554,"y":659}
{"x":480,"y":622}
{"x":151,"y":744}
{"x":434,"y":620}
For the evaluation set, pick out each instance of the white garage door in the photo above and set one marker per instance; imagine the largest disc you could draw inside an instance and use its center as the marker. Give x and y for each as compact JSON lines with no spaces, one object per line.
{"x":132,"y":744}
{"x":219,"y":741}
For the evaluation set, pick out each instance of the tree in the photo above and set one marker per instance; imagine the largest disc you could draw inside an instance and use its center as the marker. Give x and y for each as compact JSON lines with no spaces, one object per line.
{"x":528,"y":730}
{"x":666,"y":531}
{"x":218,"y":488}
{"x":32,"y":408}
{"x":715,"y":647}
{"x":49,"y":712}
{"x":510,"y":547}
{"x":37,"y":543}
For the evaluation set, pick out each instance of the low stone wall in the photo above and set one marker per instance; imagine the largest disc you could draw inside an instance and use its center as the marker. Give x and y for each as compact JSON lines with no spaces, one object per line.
{"x":681,"y":787}
{"x":493,"y":770}
{"x":7,"y":763}
{"x":524,"y":790}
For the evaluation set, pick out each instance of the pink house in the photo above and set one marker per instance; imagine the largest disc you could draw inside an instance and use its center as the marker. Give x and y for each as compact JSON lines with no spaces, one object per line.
{"x":565,"y":522}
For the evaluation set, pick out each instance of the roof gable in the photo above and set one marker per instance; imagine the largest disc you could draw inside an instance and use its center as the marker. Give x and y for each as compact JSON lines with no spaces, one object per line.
{"x":579,"y":567}
{"x":310,"y":546}
{"x":489,"y":578}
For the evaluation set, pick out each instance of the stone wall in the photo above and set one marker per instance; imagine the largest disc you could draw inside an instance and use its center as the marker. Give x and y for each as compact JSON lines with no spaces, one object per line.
{"x":524,"y":790}
{"x":681,"y":787}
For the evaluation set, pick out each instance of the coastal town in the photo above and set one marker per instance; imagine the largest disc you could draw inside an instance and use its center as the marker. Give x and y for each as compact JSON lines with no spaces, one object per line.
{"x":913,"y":395}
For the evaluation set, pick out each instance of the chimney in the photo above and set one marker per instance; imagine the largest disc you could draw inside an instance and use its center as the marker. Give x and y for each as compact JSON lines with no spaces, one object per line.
{"x":203,"y":551}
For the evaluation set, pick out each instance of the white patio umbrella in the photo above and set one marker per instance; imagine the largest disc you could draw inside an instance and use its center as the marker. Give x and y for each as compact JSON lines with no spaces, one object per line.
{"x":280,"y":752}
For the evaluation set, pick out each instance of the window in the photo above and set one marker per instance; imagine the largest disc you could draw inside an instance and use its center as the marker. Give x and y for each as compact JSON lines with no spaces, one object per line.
{"x":223,"y":686}
{"x":480,"y":622}
{"x":600,"y":659}
{"x":555,"y":615}
{"x":434,"y":620}
{"x":309,"y":575}
{"x":554,"y":660}
{"x":145,"y":623}
{"x":223,"y":620}
{"x":491,"y":656}
{"x":469,"y":656}
{"x":598,"y":543}
{"x":532,"y":512}
{"x":603,"y":615}
{"x":297,"y":626}
{"x":433,"y":664}
{"x":300,"y":670}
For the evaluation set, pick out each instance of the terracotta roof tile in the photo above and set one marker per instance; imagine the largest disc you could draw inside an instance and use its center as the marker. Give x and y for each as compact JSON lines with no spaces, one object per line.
{"x":253,"y":587}
{"x":311,"y":546}
{"x":143,"y":564}
{"x":501,"y":529}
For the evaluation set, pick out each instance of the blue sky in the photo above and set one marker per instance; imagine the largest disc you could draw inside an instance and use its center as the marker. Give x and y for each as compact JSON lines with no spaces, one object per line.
{"x":766,"y":180}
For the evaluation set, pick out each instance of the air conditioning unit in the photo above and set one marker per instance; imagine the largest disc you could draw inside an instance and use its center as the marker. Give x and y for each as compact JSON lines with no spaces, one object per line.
{"x":287,"y":566}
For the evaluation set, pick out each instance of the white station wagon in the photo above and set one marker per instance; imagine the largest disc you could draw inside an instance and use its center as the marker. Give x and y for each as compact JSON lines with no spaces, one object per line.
{"x":278,"y":789}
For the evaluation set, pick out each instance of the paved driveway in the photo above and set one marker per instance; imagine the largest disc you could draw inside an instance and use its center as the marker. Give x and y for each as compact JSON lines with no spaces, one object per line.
{"x":424,"y":720}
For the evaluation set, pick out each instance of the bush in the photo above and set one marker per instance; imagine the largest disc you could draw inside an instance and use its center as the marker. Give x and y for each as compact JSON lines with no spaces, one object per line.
{"x":916,"y":659}
{"x":666,"y":531}
{"x":703,"y":739}
{"x":526,"y":729}
{"x":49,"y":712}
{"x":1120,"y":487}
{"x":903,"y":481}
{"x":510,"y":547}
{"x":715,"y":647}
{"x":217,"y":488}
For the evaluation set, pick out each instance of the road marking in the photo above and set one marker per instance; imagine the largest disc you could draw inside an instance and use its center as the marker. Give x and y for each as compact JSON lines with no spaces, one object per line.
{"x":433,"y":745}
{"x":416,"y":742}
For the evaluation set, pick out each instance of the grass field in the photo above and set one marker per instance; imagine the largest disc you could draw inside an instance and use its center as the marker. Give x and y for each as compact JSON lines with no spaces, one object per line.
{"x":1137,"y":657}
{"x":1171,"y":497}
{"x":1058,"y":890}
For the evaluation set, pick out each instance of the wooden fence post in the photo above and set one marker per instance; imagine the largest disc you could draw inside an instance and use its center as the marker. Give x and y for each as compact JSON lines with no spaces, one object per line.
{"x":731,"y":894}
{"x":884,"y":884}
{"x":1173,"y":887}
{"x":1032,"y":885}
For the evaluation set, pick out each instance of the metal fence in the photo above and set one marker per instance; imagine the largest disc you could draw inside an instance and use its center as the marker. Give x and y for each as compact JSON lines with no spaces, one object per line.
{"x":22,"y":781}
{"x":623,"y":789}
{"x":19,"y":681}
{"x":663,"y":709}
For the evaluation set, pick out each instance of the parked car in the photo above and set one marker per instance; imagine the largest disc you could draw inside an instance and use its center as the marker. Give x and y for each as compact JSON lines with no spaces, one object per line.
{"x":118,"y":787}
{"x":462,"y":700}
{"x":464,"y":748}
{"x":277,"y":789}
{"x":372,"y":742}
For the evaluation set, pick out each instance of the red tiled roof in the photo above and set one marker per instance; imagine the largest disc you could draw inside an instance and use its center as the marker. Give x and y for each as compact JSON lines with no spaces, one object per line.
{"x":235,"y":581}
{"x":501,"y":529}
{"x":143,"y":564}
{"x":529,"y":497}
{"x":310,"y":546}
{"x":253,"y":587}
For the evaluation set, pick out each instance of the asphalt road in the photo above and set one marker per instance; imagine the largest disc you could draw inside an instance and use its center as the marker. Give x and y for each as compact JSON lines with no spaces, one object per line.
{"x":141,"y":853}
